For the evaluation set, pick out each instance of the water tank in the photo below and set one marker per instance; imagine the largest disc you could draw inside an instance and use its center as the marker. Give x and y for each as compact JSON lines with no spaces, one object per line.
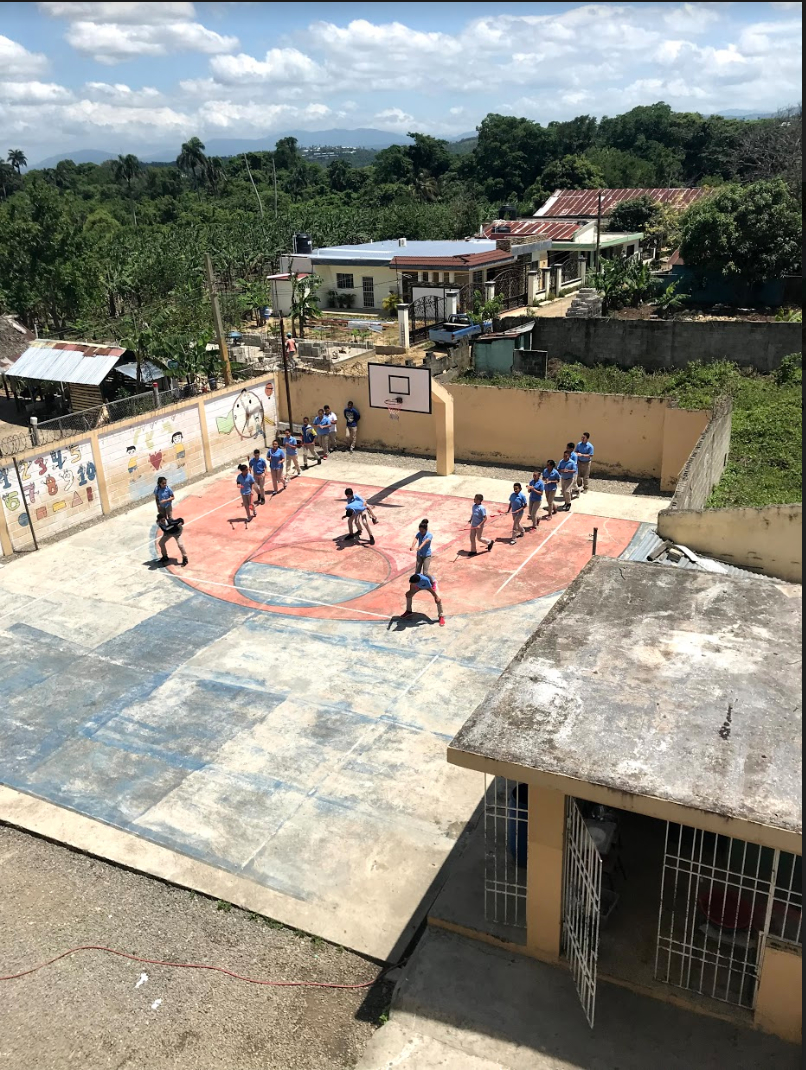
{"x":303,"y":244}
{"x":508,"y":211}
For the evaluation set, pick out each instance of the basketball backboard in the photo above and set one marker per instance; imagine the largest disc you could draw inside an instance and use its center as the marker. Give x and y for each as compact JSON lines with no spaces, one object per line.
{"x":408,"y":389}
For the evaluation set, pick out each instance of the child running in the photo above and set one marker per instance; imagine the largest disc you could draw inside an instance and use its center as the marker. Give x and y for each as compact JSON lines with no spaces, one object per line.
{"x":245,"y":483}
{"x":164,"y":497}
{"x":423,"y":582}
{"x":290,"y":444}
{"x":258,"y":467}
{"x":357,"y":510}
{"x":517,"y":504}
{"x":276,"y":462}
{"x":536,"y":488}
{"x":308,"y":440}
{"x":551,"y":480}
{"x":422,"y":540}
{"x":478,"y":518}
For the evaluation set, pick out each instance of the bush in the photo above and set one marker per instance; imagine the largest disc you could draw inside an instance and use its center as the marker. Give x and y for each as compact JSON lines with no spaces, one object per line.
{"x":570,"y":378}
{"x":791,"y":370}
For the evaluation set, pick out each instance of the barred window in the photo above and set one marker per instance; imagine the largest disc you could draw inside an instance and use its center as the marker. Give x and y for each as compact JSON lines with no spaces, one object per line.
{"x":344,"y":282}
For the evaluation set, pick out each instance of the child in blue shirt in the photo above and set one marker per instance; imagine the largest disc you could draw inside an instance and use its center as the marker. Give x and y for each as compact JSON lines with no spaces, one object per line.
{"x":290,"y":443}
{"x":535,"y":498}
{"x":352,"y":416}
{"x":517,"y":503}
{"x":164,"y":497}
{"x":478,"y":518}
{"x":584,"y":458}
{"x":308,"y":439}
{"x":551,"y":481}
{"x":568,"y":473}
{"x":422,"y":540}
{"x":574,"y":485}
{"x":357,"y":510}
{"x":322,"y":425}
{"x":258,"y":468}
{"x":423,"y":582}
{"x":246,"y":481}
{"x":276,"y":462}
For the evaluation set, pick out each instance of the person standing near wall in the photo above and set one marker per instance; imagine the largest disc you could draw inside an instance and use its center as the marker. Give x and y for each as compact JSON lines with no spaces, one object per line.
{"x":551,"y":481}
{"x":517,"y":504}
{"x":276,"y":462}
{"x":575,"y":485}
{"x":290,"y":444}
{"x":584,"y":459}
{"x":478,"y":518}
{"x":333,"y":420}
{"x":568,"y":472}
{"x":290,"y":346}
{"x":536,"y":489}
{"x":352,"y":416}
{"x":308,"y":435}
{"x":245,"y":481}
{"x":164,"y":497}
{"x":171,"y":529}
{"x":258,"y":466}
{"x":422,"y":541}
{"x":322,"y":425}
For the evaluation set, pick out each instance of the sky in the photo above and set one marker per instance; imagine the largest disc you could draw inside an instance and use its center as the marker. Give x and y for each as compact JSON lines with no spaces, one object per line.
{"x":146,"y":76}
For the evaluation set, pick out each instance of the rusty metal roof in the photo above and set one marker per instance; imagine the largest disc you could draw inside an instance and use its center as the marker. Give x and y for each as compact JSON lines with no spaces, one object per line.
{"x":66,"y":362}
{"x":453,"y":263}
{"x":583,"y":203}
{"x":528,"y":228}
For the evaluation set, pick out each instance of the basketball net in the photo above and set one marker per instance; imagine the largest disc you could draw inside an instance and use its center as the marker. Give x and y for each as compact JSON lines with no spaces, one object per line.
{"x":393,"y":409}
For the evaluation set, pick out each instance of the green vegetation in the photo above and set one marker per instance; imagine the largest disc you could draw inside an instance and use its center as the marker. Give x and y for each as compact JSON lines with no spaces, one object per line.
{"x":765,"y":465}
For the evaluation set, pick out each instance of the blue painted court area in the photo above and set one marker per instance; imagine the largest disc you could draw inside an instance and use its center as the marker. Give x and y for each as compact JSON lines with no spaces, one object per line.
{"x":305,"y":755}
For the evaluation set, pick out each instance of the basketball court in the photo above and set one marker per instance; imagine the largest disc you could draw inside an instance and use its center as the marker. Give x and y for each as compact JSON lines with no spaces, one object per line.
{"x":261,"y":725}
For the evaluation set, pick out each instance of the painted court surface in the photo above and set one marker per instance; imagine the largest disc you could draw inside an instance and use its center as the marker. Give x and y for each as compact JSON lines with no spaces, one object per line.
{"x":264,"y":714}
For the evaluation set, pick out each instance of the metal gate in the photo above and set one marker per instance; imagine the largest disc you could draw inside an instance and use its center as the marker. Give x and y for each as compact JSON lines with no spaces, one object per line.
{"x":582,"y":904}
{"x":424,"y":313}
{"x":720,"y":899}
{"x":510,"y":285}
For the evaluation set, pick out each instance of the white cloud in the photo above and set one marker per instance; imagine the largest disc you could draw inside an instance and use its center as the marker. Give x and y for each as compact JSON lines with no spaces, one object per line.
{"x":133,"y":13}
{"x":18,"y":61}
{"x":19,"y":92}
{"x":395,"y":119}
{"x":281,"y":65}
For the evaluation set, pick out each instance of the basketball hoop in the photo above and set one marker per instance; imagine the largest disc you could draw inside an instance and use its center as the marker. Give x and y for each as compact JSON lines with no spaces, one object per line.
{"x":394,"y":406}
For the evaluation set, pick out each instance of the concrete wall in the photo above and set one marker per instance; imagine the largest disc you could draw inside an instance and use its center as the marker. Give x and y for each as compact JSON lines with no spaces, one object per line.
{"x":637,"y":436}
{"x":660,"y":344}
{"x":779,"y":1005}
{"x":699,"y":472}
{"x":768,"y":540}
{"x":91,"y":475}
{"x":383,"y":277}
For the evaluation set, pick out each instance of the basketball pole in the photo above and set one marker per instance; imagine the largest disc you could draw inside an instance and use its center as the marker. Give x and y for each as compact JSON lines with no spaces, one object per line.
{"x":443,"y":412}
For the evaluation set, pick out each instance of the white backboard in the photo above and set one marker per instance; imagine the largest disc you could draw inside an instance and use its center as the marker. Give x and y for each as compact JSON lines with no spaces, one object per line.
{"x":407,"y":388}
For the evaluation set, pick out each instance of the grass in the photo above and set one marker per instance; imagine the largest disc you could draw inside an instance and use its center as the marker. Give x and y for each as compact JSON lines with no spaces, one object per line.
{"x":765,"y":465}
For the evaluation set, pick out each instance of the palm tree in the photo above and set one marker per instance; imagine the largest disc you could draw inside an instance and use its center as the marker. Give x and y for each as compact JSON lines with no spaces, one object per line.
{"x":214,"y":174}
{"x":192,"y":160}
{"x":304,"y":301}
{"x":17,"y":159}
{"x":426,"y":186}
{"x":126,"y":169}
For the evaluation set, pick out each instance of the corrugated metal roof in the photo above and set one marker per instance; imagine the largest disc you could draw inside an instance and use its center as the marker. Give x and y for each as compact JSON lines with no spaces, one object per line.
{"x":583,"y":203}
{"x":67,"y":362}
{"x":527,"y":228}
{"x":382,"y":252}
{"x":148,"y":372}
{"x":453,"y":263}
{"x":646,"y":541}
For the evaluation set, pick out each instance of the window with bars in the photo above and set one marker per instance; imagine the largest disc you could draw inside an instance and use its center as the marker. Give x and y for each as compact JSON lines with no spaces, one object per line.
{"x":505,"y":837}
{"x":368,"y":291}
{"x":344,"y":281}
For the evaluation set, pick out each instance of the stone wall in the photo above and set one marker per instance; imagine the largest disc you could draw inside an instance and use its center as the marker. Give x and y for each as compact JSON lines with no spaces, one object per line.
{"x":704,"y":467}
{"x":658,"y":345}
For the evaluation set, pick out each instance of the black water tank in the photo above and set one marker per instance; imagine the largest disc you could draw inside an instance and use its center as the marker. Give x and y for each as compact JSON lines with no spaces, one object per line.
{"x":303,"y":244}
{"x":508,"y":211}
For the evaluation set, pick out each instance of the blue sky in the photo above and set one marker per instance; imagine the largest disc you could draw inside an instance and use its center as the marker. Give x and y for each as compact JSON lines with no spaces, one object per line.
{"x":137,"y":76}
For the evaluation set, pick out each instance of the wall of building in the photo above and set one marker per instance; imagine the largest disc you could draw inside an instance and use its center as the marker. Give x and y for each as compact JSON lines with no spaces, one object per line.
{"x":521,"y":427}
{"x":700,"y":471}
{"x":779,"y":1005}
{"x":92,"y":475}
{"x":768,"y":540}
{"x":659,"y":344}
{"x":383,"y":277}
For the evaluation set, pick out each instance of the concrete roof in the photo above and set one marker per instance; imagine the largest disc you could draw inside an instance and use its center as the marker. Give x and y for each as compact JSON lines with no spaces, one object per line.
{"x":584,"y":203}
{"x":66,"y":362}
{"x":670,"y":684}
{"x":383,"y":252}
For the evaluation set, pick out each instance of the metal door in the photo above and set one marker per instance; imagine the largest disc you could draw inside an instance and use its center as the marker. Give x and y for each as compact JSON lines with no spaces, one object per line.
{"x":582,"y":904}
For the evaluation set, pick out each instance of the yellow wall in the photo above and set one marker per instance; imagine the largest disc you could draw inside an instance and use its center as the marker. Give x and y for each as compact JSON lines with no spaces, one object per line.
{"x":86,"y":476}
{"x":646,"y":437}
{"x":769,"y":540}
{"x":779,"y":1005}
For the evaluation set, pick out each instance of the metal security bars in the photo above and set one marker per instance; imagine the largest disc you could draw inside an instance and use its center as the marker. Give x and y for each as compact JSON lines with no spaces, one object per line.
{"x":582,"y":905}
{"x":505,"y":846}
{"x":720,"y":898}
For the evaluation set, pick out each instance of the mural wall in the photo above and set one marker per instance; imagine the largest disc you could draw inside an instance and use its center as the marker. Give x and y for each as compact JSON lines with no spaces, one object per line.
{"x":133,"y":459}
{"x":59,"y":486}
{"x":236,"y":422}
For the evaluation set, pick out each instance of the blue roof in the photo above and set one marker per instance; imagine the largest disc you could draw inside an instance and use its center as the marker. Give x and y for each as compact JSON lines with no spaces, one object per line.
{"x":381,"y":252}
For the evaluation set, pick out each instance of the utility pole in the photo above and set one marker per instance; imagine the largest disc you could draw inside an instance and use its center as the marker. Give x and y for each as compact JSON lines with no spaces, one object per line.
{"x":598,"y":228}
{"x":285,"y":371}
{"x":217,"y":321}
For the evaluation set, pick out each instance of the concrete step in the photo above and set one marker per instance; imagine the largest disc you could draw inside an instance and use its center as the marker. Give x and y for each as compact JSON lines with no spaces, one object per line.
{"x":398,"y":1046}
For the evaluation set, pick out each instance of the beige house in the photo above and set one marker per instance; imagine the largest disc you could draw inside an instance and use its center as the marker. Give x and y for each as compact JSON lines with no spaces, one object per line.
{"x":642,"y":816}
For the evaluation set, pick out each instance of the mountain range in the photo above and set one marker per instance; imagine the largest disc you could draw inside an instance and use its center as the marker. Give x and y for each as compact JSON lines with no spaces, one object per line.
{"x":363,"y":137}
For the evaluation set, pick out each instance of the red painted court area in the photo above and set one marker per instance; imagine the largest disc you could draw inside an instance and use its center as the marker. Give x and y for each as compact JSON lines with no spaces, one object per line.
{"x":294,"y":560}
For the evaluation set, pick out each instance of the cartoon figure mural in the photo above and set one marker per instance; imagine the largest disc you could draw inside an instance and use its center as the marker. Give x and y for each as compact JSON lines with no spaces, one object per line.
{"x":131,"y":452}
{"x":151,"y":450}
{"x":179,"y":448}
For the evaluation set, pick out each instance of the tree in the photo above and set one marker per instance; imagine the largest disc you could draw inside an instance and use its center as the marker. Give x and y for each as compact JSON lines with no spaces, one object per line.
{"x":286,"y":154}
{"x":17,"y":159}
{"x":622,"y":170}
{"x":428,"y":154}
{"x":192,"y":160}
{"x":572,"y":172}
{"x":574,"y":136}
{"x":393,"y":165}
{"x":126,"y":169}
{"x":633,"y":215}
{"x":338,"y":175}
{"x":7,"y":176}
{"x":214,"y":174}
{"x":750,"y":232}
{"x":304,"y":300}
{"x":425,"y":186}
{"x":510,"y":154}
{"x":774,"y":147}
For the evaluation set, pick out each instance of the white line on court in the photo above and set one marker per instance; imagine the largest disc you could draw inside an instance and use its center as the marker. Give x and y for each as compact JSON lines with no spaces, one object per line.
{"x":532,"y":554}
{"x":136,"y":549}
{"x":304,"y":601}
